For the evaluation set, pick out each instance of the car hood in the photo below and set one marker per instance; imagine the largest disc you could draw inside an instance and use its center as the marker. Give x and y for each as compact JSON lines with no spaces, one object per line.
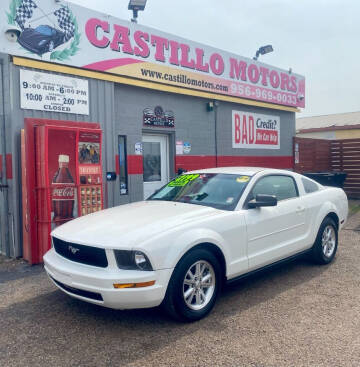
{"x":127,"y":225}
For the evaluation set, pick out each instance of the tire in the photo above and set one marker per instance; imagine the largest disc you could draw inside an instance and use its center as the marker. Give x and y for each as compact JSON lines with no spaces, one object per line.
{"x":325,"y":246}
{"x":187,"y":299}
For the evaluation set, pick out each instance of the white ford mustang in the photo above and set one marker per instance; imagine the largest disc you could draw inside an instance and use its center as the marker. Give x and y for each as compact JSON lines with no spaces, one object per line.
{"x":202,"y":229}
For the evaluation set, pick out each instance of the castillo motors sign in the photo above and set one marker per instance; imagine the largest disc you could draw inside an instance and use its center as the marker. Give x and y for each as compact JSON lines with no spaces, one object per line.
{"x":255,"y":131}
{"x":56,"y":32}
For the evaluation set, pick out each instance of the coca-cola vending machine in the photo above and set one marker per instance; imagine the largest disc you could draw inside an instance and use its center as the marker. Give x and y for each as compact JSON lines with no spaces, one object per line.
{"x":63,"y":174}
{"x":62,"y":193}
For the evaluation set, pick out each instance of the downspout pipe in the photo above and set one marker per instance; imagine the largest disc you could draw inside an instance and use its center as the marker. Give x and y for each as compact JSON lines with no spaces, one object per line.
{"x":216,"y":106}
{"x":4,"y":184}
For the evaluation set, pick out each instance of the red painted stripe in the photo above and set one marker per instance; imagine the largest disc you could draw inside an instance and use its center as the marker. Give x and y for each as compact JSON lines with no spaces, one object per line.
{"x":193,"y":162}
{"x":110,"y":64}
{"x":135,"y":164}
{"x":117,"y":165}
{"x":9,"y":171}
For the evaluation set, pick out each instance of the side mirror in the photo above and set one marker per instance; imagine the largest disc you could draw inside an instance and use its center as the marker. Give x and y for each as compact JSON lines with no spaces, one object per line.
{"x":262,"y":200}
{"x":180,"y":171}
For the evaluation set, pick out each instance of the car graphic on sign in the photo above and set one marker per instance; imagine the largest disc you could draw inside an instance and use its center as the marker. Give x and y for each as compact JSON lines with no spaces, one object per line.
{"x":41,"y":39}
{"x":29,"y":25}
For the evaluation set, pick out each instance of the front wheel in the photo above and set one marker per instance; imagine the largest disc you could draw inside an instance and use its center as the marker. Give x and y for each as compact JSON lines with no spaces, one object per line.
{"x":325,"y":246}
{"x":51,"y":46}
{"x":194,"y":286}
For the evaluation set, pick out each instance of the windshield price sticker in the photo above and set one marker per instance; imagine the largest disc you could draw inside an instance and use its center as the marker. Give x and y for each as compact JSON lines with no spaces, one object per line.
{"x":53,"y":93}
{"x":243,"y":179}
{"x":182,"y":180}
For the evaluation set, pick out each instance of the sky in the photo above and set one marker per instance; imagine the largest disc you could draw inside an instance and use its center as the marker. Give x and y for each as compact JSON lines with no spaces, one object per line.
{"x":316,"y":38}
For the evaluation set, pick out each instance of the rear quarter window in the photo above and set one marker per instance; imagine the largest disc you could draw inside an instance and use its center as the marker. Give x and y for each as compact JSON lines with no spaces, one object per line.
{"x":309,"y":186}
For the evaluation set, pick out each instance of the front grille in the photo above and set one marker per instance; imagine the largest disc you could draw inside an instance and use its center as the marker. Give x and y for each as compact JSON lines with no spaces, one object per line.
{"x":79,"y":292}
{"x":81,"y":254}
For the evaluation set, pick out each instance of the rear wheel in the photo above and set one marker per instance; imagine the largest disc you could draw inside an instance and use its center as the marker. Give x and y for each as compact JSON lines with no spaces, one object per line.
{"x":194,"y":286}
{"x":326,"y":243}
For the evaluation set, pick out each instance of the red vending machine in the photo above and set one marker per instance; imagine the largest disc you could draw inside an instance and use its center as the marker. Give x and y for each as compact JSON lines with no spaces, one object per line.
{"x":63,"y":174}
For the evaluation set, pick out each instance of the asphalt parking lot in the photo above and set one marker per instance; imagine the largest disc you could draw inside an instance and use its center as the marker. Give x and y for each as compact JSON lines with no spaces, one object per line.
{"x":298,"y":314}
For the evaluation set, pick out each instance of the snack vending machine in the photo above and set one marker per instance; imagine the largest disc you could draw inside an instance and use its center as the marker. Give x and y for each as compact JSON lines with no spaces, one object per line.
{"x":90,"y":172}
{"x":63,"y":174}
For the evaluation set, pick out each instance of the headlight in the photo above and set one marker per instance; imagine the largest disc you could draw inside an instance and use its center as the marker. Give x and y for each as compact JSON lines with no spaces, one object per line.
{"x":132,"y":260}
{"x":42,"y":42}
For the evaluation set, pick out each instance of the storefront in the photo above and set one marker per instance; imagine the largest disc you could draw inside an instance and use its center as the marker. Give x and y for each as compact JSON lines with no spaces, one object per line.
{"x":130,"y":106}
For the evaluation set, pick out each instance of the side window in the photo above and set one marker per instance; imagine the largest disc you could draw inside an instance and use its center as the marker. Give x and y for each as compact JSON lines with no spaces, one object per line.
{"x":283,"y":187}
{"x":309,"y":186}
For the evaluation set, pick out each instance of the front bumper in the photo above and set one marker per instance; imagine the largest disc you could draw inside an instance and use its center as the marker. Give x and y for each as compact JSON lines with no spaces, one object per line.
{"x":95,"y":285}
{"x":39,"y":50}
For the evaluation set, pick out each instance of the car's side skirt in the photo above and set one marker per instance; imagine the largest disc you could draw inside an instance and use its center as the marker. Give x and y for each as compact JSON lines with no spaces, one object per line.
{"x":269,"y":266}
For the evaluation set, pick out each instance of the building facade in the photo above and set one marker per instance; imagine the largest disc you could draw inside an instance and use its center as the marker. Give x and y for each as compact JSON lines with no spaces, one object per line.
{"x":150,"y":129}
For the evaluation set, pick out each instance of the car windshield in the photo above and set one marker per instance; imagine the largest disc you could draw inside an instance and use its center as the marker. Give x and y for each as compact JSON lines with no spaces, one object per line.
{"x":44,"y":30}
{"x":217,"y":190}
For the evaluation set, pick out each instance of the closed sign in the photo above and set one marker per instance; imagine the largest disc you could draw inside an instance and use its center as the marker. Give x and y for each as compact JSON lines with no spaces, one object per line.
{"x":53,"y":93}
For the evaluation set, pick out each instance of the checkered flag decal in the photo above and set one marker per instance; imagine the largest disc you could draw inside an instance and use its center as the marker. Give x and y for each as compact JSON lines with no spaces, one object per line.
{"x":63,"y":16}
{"x":24,"y":12}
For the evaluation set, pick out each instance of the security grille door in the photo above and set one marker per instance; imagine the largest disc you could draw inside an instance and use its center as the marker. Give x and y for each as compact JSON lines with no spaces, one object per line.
{"x":156,"y":163}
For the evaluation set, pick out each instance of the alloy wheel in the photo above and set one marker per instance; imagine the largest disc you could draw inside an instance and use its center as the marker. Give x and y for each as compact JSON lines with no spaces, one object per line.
{"x":328,"y":241}
{"x":199,"y":285}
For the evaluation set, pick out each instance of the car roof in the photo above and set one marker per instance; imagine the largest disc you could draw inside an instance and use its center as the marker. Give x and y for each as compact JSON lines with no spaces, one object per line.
{"x":248,"y":171}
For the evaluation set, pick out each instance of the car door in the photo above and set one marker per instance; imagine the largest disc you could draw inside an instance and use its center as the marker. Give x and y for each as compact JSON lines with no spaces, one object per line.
{"x":274,"y":233}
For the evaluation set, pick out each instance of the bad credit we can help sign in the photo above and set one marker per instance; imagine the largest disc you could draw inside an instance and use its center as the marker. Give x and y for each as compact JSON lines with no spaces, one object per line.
{"x":255,"y":131}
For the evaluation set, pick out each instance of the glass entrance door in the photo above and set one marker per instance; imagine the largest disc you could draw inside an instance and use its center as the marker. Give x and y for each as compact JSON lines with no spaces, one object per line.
{"x":156,"y":163}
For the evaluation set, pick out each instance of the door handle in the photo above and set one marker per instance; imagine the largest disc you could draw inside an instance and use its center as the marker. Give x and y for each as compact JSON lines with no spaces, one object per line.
{"x":300,"y":209}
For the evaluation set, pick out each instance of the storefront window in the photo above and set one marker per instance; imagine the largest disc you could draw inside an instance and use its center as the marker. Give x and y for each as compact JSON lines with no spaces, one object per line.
{"x":123,"y":176}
